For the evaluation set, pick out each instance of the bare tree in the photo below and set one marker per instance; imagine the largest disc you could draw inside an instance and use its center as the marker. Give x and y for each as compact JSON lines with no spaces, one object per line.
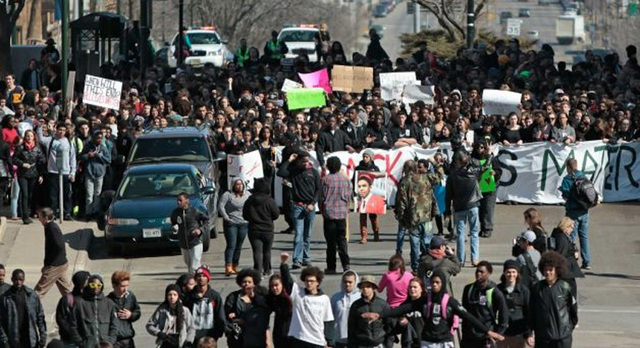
{"x":9,"y":13}
{"x":451,"y":14}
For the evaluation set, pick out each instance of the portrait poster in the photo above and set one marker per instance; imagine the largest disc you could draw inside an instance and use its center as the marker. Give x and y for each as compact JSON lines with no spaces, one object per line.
{"x":370,"y":192}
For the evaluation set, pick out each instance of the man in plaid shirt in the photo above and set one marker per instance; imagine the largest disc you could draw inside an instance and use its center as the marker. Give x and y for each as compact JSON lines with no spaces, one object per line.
{"x":334,"y":205}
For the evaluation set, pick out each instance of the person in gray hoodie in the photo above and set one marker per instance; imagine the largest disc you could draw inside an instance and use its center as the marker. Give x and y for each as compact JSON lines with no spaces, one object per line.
{"x":341,"y":304}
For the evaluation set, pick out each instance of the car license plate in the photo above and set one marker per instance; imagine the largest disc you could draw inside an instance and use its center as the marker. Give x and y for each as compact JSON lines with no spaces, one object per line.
{"x":151,"y":233}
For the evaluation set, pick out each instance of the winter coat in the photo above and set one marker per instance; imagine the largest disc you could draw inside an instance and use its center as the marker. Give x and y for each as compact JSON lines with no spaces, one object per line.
{"x":554,"y":311}
{"x":159,"y":322}
{"x":34,"y":157}
{"x":207,"y":312}
{"x":124,"y":328}
{"x":260,"y":209}
{"x":462,"y":189}
{"x":9,"y":328}
{"x":252,"y":318}
{"x":565,"y":247}
{"x":365,"y":333}
{"x":93,"y":320}
{"x":187,"y":221}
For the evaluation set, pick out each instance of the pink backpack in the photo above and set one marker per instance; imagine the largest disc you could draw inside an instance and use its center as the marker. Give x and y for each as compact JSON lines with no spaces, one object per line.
{"x":443,"y":305}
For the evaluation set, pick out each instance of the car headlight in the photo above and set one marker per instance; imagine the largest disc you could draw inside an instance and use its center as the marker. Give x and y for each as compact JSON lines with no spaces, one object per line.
{"x":167,"y":221}
{"x":122,"y":222}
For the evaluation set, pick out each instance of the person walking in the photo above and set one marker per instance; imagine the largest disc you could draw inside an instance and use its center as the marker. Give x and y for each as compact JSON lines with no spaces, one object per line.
{"x":362,"y":332}
{"x":563,"y":245}
{"x":95,"y":158}
{"x":185,"y":220}
{"x":55,"y":266}
{"x":29,"y":160}
{"x":334,"y":206}
{"x":305,"y":193}
{"x":235,"y":226}
{"x":3,"y":286}
{"x":260,"y":210}
{"x":575,"y":211}
{"x":22,"y":322}
{"x":367,"y":165}
{"x":206,"y":307}
{"x":554,"y":310}
{"x":340,"y":305}
{"x":64,"y":310}
{"x":463,"y":195}
{"x":517,"y":297}
{"x":58,"y":146}
{"x":281,"y":305}
{"x":94,"y":316}
{"x":127,"y":309}
{"x":171,"y":323}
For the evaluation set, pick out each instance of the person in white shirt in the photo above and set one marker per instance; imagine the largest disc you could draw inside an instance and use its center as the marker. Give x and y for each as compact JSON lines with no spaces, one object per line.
{"x":311,"y":307}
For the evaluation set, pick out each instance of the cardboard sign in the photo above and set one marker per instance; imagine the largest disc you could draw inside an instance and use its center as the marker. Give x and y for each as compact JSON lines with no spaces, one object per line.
{"x":497,"y":102}
{"x":392,"y":84}
{"x":315,"y":79}
{"x":352,"y":79}
{"x":302,"y":98}
{"x":247,"y":167}
{"x":102,"y":92}
{"x":289,"y":84}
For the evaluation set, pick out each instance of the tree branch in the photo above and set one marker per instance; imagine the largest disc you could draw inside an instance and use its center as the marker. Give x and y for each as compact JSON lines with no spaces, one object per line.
{"x":445,"y":12}
{"x":15,"y":12}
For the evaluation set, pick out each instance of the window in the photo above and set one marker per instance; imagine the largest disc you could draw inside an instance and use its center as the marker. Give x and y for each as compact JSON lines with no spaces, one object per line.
{"x":150,"y":185}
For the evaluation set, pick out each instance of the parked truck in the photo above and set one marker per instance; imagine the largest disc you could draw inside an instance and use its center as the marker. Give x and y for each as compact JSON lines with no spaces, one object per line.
{"x":569,"y":29}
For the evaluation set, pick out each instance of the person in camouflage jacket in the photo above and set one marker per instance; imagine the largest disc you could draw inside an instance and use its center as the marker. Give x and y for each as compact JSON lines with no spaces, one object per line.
{"x":415,"y":208}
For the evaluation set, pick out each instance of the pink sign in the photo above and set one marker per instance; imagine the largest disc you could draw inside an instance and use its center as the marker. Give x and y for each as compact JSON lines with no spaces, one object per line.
{"x":318,"y":78}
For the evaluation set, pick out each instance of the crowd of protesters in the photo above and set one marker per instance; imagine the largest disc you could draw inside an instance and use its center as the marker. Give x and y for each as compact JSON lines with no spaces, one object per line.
{"x":243,"y":106}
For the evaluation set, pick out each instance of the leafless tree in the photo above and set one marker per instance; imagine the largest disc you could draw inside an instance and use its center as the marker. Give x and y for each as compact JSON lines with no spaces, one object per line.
{"x":451,"y":15}
{"x":9,"y":13}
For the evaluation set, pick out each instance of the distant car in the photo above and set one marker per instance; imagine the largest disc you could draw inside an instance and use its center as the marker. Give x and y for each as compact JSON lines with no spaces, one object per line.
{"x":300,"y":39}
{"x":533,"y":35}
{"x":504,"y":16}
{"x":139,"y":214}
{"x":206,"y":47}
{"x":524,"y":13}
{"x":546,"y":2}
{"x":381,"y":10}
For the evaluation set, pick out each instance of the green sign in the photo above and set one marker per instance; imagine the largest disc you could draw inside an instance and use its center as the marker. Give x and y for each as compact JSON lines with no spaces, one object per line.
{"x":302,"y":98}
{"x":487,"y":181}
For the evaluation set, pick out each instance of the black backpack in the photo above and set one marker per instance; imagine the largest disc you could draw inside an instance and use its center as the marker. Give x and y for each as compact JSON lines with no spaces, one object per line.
{"x":584,"y":192}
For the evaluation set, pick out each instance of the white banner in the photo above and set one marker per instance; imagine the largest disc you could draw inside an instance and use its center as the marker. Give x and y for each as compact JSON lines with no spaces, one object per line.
{"x":102,"y":92}
{"x":246,"y":167}
{"x":392,"y":84}
{"x":290,"y":84}
{"x":413,"y":93}
{"x":531,"y":173}
{"x":497,"y":102}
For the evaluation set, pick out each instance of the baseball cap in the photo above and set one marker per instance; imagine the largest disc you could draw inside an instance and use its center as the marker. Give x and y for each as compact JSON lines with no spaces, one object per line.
{"x":437,"y":242}
{"x":529,"y":236}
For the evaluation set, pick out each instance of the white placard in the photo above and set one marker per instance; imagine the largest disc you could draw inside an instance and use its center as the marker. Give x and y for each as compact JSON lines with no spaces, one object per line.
{"x":102,"y":92}
{"x":246,"y":167}
{"x":392,"y":84}
{"x":290,"y":84}
{"x":414,"y":93}
{"x":497,"y":102}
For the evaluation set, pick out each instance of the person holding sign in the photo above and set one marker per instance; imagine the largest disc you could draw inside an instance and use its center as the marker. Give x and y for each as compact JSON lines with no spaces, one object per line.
{"x":488,"y":185}
{"x":368,"y":165}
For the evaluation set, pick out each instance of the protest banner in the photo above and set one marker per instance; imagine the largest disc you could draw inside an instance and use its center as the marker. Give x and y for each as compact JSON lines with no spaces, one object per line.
{"x":352,"y":79}
{"x":102,"y":92}
{"x":246,"y":167}
{"x":392,"y":84}
{"x":316,"y":79}
{"x":414,"y":93}
{"x":289,"y":84}
{"x":370,"y":193}
{"x":302,"y":98}
{"x":497,"y":102}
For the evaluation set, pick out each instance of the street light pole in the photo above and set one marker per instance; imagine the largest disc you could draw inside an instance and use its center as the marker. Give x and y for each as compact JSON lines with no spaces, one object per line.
{"x":471,"y":29}
{"x":180,"y":26}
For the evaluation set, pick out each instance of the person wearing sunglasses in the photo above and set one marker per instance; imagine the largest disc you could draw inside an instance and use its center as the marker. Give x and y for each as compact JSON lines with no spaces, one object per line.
{"x":93,"y":319}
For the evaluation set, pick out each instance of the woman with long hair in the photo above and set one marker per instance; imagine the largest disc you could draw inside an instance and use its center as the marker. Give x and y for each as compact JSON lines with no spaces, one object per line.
{"x":395,"y":281}
{"x":280,"y":304}
{"x":564,"y":245}
{"x":533,"y":222}
{"x":29,"y":160}
{"x":235,"y":226}
{"x":171,"y":322}
{"x":517,"y":296}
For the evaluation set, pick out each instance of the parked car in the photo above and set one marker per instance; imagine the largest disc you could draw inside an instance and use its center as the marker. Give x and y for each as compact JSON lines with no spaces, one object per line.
{"x":300,"y":39}
{"x":206,"y":47}
{"x":381,"y":10}
{"x":504,"y":16}
{"x":139,"y":214}
{"x":524,"y":13}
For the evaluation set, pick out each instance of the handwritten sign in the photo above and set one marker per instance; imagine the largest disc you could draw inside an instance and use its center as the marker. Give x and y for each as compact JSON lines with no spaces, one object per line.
{"x":289,"y":84}
{"x":246,"y":167}
{"x":497,"y":102}
{"x":102,"y":92}
{"x":302,"y":98}
{"x":315,"y":79}
{"x":392,"y":84}
{"x":352,"y":79}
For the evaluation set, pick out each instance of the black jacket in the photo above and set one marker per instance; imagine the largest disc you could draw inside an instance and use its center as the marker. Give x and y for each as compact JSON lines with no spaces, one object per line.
{"x":565,"y":247}
{"x":338,"y":141}
{"x":476,"y":302}
{"x":34,"y":157}
{"x":93,"y":320}
{"x":356,"y":133}
{"x":55,"y":253}
{"x":64,"y":310}
{"x":362,"y":333}
{"x":187,"y":221}
{"x":307,"y":185}
{"x":518,"y":305}
{"x":462,"y":189}
{"x":554,"y":311}
{"x":124,"y":328}
{"x":252,"y":317}
{"x":9,"y":319}
{"x":260,"y":209}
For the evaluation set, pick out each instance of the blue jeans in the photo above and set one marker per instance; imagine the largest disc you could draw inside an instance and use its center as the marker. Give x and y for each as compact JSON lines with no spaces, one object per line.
{"x":303,"y":222}
{"x":461,"y":219}
{"x":419,"y":239}
{"x":234,"y":234}
{"x":581,"y":231}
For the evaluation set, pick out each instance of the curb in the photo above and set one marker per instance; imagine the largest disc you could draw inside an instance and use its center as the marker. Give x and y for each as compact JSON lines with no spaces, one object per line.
{"x":82,"y":257}
{"x":3,"y":228}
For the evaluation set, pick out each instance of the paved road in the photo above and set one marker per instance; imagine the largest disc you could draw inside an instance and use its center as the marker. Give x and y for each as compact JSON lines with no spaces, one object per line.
{"x":609,"y":296}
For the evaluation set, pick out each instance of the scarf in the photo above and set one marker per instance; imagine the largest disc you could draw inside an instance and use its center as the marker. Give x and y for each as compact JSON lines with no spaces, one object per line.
{"x":437,"y":253}
{"x":30,"y":146}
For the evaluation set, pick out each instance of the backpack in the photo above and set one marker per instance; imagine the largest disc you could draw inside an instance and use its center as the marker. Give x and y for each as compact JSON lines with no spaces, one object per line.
{"x":584,"y":192}
{"x":489,"y":295}
{"x":528,"y":272}
{"x":443,"y":305}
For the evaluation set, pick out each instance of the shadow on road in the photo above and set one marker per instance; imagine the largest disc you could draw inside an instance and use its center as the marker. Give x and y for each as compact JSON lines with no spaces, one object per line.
{"x":613,"y":275}
{"x":77,"y":240}
{"x":98,"y":251}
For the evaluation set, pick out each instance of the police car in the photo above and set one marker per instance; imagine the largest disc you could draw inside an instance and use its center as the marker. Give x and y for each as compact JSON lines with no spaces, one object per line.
{"x":300,"y":39}
{"x":206,"y":47}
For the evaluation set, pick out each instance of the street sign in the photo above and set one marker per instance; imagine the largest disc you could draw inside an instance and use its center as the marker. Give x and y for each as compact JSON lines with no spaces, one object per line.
{"x":513,"y":26}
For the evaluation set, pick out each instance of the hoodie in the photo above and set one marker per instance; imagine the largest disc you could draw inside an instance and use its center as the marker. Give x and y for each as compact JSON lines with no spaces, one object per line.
{"x":462,"y":188}
{"x":340,"y":304}
{"x":260,"y":210}
{"x":66,"y":304}
{"x":93,"y":319}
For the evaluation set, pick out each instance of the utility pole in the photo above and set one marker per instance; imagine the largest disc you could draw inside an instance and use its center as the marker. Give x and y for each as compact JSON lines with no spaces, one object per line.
{"x":180,"y":26}
{"x":471,"y":29}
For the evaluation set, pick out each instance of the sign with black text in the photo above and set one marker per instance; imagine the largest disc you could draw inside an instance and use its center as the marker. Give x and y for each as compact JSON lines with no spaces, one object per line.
{"x":102,"y":92}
